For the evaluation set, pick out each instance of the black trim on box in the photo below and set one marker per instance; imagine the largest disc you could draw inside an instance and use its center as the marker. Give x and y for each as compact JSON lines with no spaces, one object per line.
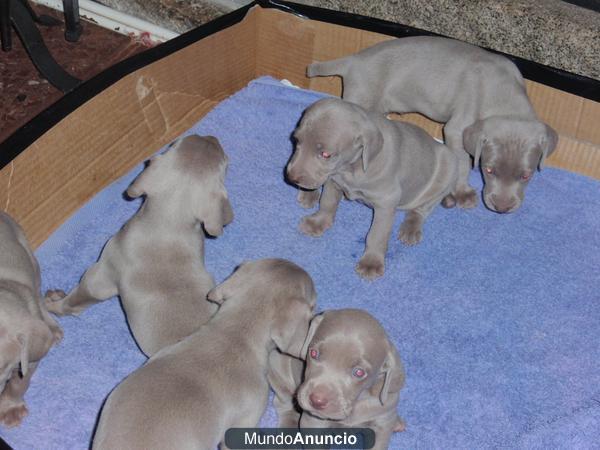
{"x":4,"y":445}
{"x":27,"y":134}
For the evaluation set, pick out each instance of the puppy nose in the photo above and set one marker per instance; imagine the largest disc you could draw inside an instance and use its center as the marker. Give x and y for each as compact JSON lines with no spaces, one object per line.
{"x":502,"y":205}
{"x":318,"y":401}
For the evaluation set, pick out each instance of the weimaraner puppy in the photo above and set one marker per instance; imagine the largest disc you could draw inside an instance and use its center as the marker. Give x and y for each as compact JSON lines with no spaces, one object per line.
{"x":26,"y":329}
{"x":352,"y":377}
{"x":155,"y":263}
{"x":187,"y":395}
{"x":480,"y":96}
{"x":385,"y":164}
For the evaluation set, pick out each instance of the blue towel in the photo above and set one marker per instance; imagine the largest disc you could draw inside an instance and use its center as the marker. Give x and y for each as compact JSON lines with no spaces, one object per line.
{"x":496,"y":317}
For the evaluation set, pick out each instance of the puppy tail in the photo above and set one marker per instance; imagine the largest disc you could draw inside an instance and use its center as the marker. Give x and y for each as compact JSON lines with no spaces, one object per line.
{"x":328,"y":68}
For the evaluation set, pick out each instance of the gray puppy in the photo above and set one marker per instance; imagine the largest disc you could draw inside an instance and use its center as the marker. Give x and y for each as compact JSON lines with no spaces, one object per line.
{"x":155,"y":263}
{"x":26,"y":329}
{"x":188,"y":395}
{"x":480,"y":97}
{"x":353,"y":377}
{"x":385,"y":164}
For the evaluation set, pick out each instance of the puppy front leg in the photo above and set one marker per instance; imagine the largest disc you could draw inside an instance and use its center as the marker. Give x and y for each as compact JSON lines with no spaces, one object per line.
{"x":308,"y":199}
{"x":12,"y":405}
{"x":96,"y":285}
{"x":316,"y":224}
{"x":284,"y":376}
{"x":383,"y":430}
{"x":464,"y":195}
{"x":371,"y":264}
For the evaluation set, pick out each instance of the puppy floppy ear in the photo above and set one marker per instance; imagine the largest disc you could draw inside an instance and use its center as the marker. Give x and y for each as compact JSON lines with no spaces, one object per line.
{"x":474,"y":139}
{"x":289,"y":331}
{"x":370,"y":139}
{"x":393,"y":373}
{"x":142,"y":183}
{"x":548,"y":141}
{"x":216,"y":214}
{"x":314,"y":324}
{"x":227,"y":288}
{"x":24,"y":343}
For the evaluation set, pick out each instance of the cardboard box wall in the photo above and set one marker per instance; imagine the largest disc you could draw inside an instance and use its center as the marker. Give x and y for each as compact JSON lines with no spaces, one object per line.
{"x":130,"y":120}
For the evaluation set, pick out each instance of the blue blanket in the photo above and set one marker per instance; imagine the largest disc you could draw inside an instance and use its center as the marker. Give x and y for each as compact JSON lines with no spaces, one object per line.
{"x":496,"y":317}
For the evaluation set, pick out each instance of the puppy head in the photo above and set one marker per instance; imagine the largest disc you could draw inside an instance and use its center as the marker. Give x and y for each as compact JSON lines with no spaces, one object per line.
{"x":348,"y":355}
{"x":332,"y":135}
{"x":189,"y":177}
{"x":281,"y":291}
{"x":509,"y":151}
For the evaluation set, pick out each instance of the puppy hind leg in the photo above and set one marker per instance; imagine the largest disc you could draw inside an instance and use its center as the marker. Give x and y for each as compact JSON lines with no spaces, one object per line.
{"x":57,"y":332}
{"x":97,"y":284}
{"x":12,"y":404}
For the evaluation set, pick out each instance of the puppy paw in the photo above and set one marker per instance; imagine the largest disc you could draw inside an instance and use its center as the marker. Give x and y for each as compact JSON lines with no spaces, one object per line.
{"x":308,"y":199}
{"x":410,"y":233}
{"x":370,"y":267}
{"x":314,"y":225}
{"x":466,"y":199}
{"x":400,"y":425}
{"x":57,"y":333}
{"x":449,"y":201}
{"x":53,"y":302}
{"x":11,"y":416}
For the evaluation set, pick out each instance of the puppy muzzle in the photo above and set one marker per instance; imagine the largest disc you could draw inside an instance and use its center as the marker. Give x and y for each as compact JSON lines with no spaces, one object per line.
{"x":502,"y":204}
{"x":323,"y":403}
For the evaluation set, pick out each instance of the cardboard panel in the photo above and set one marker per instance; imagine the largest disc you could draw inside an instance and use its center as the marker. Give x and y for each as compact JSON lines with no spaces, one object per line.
{"x":561,"y":110}
{"x":285,"y":45}
{"x":588,"y":128}
{"x":576,"y":156}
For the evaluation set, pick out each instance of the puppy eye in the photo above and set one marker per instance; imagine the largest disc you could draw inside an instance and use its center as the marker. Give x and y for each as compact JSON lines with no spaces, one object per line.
{"x":526,"y":176}
{"x":358,"y":372}
{"x":489,"y":170}
{"x":325,"y":155}
{"x":314,"y":353}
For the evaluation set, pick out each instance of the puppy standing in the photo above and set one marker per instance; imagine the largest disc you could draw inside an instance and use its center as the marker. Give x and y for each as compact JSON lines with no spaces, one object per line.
{"x":189,"y":394}
{"x":156,"y":261}
{"x":26,"y":329}
{"x":353,"y":377}
{"x":480,"y":97}
{"x":382,"y":163}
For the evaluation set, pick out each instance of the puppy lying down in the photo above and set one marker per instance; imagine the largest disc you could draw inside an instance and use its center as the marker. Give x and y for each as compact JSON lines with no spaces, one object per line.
{"x":188,"y":395}
{"x":155,"y":263}
{"x":26,"y":329}
{"x":352,"y":377}
{"x":384,"y":164}
{"x":480,"y":96}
